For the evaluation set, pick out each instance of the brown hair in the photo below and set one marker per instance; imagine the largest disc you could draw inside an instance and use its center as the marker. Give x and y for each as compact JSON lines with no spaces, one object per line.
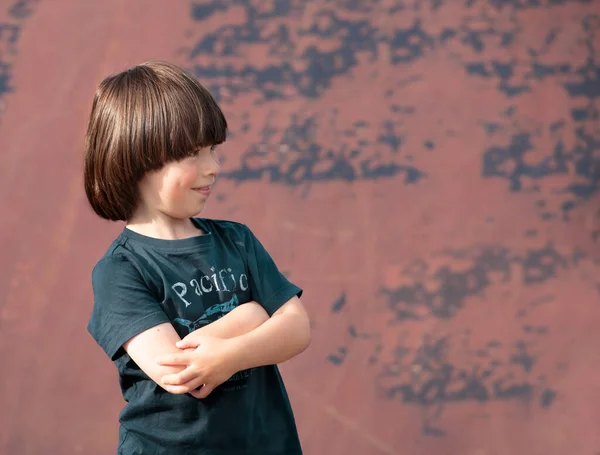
{"x":141,"y":119}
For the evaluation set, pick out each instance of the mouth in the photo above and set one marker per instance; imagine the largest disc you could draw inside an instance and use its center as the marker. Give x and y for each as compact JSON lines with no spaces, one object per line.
{"x":204,"y":190}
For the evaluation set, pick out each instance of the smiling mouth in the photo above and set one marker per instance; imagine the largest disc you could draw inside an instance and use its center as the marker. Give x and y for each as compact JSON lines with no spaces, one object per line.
{"x":203,"y":190}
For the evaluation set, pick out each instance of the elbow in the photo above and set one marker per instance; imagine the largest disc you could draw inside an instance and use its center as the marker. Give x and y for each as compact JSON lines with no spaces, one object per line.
{"x":306,"y":335}
{"x":306,"y":343}
{"x":304,"y":331}
{"x":298,"y":325}
{"x":299,"y":334}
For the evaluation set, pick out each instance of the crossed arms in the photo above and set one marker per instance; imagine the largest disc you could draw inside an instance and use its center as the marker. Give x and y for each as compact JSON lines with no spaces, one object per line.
{"x":244,"y":338}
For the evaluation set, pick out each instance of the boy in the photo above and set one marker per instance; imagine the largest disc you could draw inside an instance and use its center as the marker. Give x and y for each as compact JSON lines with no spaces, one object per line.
{"x":151,"y":161}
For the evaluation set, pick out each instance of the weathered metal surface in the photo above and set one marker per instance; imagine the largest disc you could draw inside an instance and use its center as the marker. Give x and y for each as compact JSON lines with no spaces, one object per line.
{"x":427,"y":170}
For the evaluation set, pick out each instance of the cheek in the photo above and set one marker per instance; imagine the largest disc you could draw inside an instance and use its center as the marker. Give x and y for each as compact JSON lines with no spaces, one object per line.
{"x":188,"y":180}
{"x":178,"y":183}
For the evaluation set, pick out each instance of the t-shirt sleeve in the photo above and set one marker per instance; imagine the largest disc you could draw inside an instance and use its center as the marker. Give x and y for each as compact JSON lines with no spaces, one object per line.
{"x":123,"y":305}
{"x":269,"y":287}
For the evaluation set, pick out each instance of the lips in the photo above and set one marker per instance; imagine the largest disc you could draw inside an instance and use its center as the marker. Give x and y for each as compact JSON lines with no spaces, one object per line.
{"x":205,"y":190}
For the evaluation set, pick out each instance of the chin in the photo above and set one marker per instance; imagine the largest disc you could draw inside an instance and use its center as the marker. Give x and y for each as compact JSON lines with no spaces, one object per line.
{"x":198,"y":211}
{"x":184,"y":214}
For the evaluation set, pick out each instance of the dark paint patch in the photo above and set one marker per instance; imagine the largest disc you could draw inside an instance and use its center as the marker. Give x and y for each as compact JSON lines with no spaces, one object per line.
{"x":429,"y":377}
{"x":489,"y":264}
{"x":520,"y":161}
{"x":309,"y":70}
{"x":445,"y":369}
{"x":338,"y":358}
{"x":337,"y":306}
{"x":309,"y":147}
{"x":298,"y":66}
{"x":522,"y":357}
{"x":547,"y":398}
{"x":510,"y":163}
{"x":513,"y":163}
{"x":354,"y":333}
{"x":202,"y":11}
{"x":296,"y":154}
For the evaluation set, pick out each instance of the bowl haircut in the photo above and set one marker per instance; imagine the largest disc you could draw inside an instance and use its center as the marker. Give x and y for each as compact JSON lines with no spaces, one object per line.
{"x":142,"y":119}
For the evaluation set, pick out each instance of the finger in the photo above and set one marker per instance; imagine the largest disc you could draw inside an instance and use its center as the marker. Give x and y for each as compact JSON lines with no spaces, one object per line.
{"x":183,"y":377}
{"x":195,"y":393}
{"x":204,"y":391}
{"x":183,"y":344}
{"x":176,"y":389}
{"x":189,"y":337}
{"x":174,"y":359}
{"x":181,"y":389}
{"x":188,"y":387}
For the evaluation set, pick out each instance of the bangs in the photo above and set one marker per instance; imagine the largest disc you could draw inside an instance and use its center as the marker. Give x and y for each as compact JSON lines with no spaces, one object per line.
{"x":172,"y":115}
{"x":192,"y":120}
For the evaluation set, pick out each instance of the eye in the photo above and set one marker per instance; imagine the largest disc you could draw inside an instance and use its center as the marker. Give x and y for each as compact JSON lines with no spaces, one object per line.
{"x":195,"y":153}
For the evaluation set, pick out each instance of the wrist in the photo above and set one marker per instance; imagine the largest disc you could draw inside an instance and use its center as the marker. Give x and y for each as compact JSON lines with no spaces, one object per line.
{"x":233,"y":358}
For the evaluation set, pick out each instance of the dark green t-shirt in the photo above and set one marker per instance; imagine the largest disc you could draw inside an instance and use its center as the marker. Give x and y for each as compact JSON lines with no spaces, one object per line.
{"x":142,"y":282}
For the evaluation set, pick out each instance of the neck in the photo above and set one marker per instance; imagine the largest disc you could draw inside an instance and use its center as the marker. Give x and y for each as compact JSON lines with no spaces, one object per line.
{"x":164,"y":227}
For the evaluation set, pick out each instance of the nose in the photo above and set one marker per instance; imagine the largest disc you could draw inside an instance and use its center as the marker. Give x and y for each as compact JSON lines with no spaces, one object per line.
{"x":210,"y":166}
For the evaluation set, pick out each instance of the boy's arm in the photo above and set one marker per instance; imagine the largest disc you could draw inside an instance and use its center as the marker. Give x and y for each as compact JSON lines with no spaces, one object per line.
{"x":242,"y":319}
{"x":285,"y":335}
{"x":161,"y":339}
{"x":158,"y":340}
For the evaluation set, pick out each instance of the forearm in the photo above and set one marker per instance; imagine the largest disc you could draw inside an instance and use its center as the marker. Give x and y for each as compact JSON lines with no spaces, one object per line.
{"x":239,"y":321}
{"x":213,"y":360}
{"x":283,"y":336}
{"x":145,"y":347}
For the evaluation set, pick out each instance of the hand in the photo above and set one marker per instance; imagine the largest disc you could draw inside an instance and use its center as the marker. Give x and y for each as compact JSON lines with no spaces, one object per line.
{"x":207,"y":361}
{"x":193,"y":339}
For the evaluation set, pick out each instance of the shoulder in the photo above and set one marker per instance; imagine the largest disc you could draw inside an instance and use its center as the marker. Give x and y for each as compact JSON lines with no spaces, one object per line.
{"x":117,"y":259}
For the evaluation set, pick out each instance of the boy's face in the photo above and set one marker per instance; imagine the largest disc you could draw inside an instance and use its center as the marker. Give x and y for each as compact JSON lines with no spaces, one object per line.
{"x":180,"y":189}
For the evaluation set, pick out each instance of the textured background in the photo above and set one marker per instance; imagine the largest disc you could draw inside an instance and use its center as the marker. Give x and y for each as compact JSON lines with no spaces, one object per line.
{"x":426,"y":169}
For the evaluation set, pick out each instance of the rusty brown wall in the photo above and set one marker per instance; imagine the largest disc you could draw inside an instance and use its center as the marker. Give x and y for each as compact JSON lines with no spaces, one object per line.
{"x":426,"y":169}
